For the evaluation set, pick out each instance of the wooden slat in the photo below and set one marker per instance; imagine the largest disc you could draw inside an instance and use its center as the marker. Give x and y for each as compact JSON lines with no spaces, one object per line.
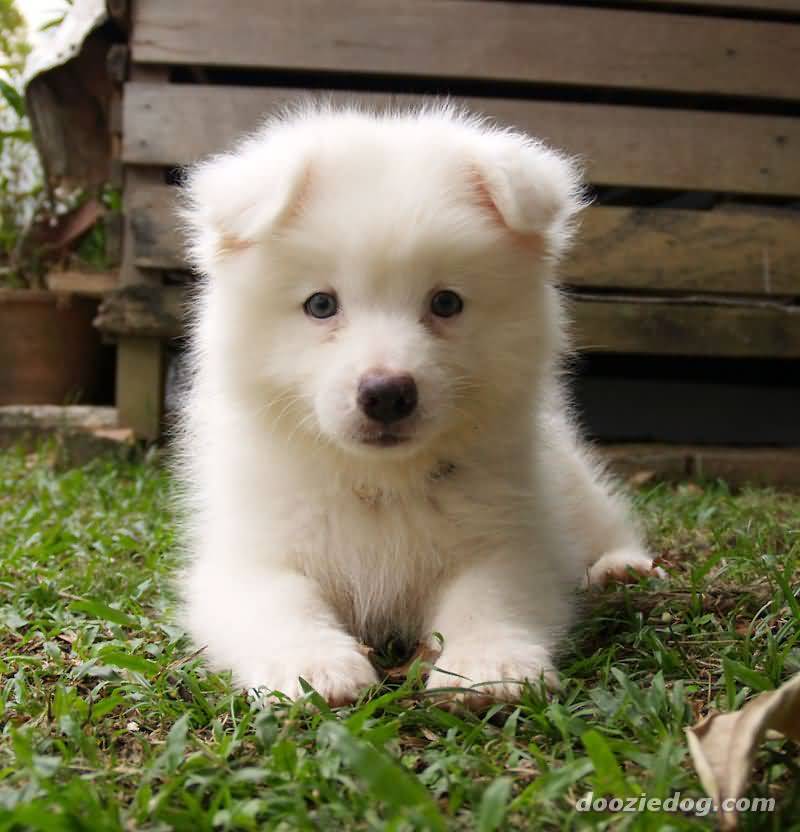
{"x":747,"y":251}
{"x":753,"y":251}
{"x":463,"y":39}
{"x":140,"y":385}
{"x":742,"y":331}
{"x":777,"y":467}
{"x":600,"y":325}
{"x":89,"y":284}
{"x":630,"y":146}
{"x":154,"y":227}
{"x":140,"y":360}
{"x":790,"y":7}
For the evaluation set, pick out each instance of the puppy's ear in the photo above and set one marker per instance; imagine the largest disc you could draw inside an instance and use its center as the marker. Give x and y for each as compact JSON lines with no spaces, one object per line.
{"x":233,"y":200}
{"x":532,"y":190}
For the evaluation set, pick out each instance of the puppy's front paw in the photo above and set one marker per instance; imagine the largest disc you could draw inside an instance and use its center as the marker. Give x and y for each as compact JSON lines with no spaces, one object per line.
{"x":623,"y":566}
{"x":339,"y":675}
{"x":492,"y":673}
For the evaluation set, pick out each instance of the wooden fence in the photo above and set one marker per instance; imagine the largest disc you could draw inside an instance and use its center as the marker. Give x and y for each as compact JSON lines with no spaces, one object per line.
{"x":685,"y":114}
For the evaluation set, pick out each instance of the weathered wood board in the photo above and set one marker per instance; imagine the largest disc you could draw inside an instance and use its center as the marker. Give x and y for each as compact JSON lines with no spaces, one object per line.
{"x":518,"y":42}
{"x":747,"y":251}
{"x":600,"y":324}
{"x":655,"y":327}
{"x":698,"y":87}
{"x":778,"y":467}
{"x":782,"y":7}
{"x":155,"y":227}
{"x":88,"y":284}
{"x":743,"y":251}
{"x":140,"y":385}
{"x":173,"y":124}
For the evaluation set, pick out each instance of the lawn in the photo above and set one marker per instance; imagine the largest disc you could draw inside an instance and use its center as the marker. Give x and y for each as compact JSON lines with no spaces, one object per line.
{"x":109,"y":720}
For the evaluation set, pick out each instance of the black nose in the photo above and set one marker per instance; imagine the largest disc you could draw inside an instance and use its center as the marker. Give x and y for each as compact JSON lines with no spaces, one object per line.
{"x":387,"y":398}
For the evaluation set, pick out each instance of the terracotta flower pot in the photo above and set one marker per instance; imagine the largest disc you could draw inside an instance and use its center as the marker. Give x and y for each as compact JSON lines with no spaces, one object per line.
{"x":49,"y":351}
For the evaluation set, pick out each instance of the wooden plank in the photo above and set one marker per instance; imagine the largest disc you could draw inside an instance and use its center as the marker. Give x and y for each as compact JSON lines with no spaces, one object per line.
{"x":744,"y":251}
{"x":655,"y":328}
{"x":777,"y":467}
{"x":787,"y":7}
{"x":151,"y":311}
{"x":518,"y":42}
{"x":140,"y":385}
{"x":140,"y":360}
{"x":89,"y":284}
{"x":58,"y":417}
{"x":154,"y":228}
{"x":617,"y":325}
{"x":173,"y":124}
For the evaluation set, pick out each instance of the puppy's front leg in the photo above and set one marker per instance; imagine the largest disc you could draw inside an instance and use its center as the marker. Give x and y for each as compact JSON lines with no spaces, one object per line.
{"x":272,"y":627}
{"x":499,"y":627}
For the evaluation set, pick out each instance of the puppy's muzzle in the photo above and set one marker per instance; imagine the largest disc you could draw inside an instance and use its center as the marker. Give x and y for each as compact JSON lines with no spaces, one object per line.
{"x":387,"y":398}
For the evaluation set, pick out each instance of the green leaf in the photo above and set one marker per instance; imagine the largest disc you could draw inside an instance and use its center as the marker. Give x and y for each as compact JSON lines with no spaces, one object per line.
{"x":783,"y":579}
{"x":20,"y":135}
{"x":494,"y":805}
{"x":384,"y":779}
{"x":752,"y":678}
{"x":176,"y":743}
{"x":609,"y":779}
{"x":315,"y":698}
{"x":554,"y":783}
{"x":129,"y":661}
{"x":105,"y":613}
{"x":104,"y":706}
{"x":13,"y":98}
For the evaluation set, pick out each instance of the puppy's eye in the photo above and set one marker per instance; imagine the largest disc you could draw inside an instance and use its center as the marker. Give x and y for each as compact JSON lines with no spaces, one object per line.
{"x":446,"y":304}
{"x":321,"y":305}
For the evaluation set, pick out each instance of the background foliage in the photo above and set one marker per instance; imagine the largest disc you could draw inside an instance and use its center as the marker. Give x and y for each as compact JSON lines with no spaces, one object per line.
{"x":20,"y":171}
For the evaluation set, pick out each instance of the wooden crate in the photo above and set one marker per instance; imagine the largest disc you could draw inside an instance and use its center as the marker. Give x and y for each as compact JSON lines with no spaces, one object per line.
{"x":685,"y":113}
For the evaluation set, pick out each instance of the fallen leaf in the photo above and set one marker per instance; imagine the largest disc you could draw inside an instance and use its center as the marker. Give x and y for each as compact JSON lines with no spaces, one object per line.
{"x":641,"y":478}
{"x":124,"y":436}
{"x":690,"y":488}
{"x":426,"y":652}
{"x":723,"y":746}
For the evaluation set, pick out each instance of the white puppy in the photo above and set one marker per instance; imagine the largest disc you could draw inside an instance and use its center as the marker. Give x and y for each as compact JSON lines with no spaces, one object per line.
{"x":375,"y":444}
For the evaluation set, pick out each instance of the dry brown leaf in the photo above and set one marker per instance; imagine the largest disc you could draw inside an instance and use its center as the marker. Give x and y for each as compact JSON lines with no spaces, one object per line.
{"x":641,"y":478}
{"x":723,"y":746}
{"x":424,"y":651}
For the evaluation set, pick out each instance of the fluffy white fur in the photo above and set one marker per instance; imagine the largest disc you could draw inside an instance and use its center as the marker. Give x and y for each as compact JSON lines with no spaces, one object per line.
{"x":304,"y":541}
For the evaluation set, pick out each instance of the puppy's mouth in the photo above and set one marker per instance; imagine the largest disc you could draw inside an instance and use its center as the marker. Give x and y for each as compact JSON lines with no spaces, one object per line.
{"x":384,"y":439}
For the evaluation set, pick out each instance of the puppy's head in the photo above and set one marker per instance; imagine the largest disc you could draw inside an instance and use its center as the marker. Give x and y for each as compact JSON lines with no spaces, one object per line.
{"x":380,"y":282}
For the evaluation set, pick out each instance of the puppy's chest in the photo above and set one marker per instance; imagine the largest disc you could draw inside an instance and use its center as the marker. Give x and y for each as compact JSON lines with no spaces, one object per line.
{"x":380,"y":559}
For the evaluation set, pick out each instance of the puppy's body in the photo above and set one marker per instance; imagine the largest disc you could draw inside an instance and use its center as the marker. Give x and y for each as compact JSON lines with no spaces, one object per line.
{"x":314,"y":525}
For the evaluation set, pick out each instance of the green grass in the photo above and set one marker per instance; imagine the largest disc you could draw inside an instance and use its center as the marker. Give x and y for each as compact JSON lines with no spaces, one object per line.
{"x":110,"y":722}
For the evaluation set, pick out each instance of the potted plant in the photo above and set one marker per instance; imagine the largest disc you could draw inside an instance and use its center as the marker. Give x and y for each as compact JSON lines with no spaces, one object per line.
{"x":49,"y":351}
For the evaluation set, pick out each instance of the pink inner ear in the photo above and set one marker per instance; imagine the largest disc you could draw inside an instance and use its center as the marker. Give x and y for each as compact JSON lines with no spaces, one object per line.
{"x":299,"y":197}
{"x":230,"y":243}
{"x":485,"y":200}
